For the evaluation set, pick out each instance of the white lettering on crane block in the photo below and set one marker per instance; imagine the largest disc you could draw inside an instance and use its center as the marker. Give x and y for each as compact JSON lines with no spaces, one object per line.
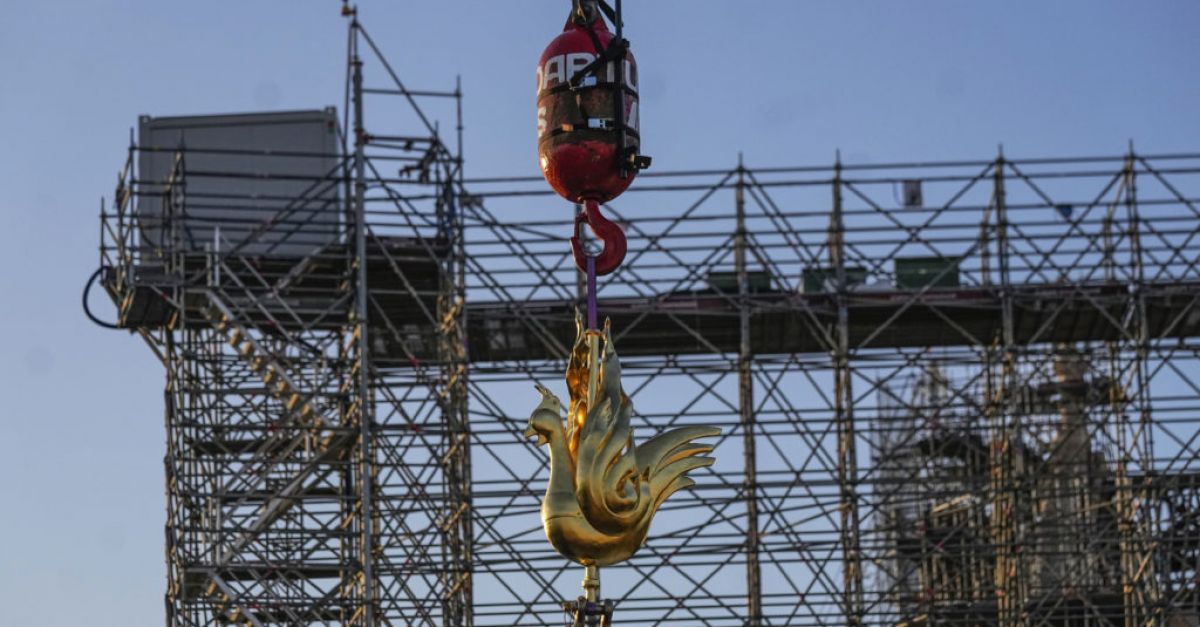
{"x":563,"y":67}
{"x":576,"y":61}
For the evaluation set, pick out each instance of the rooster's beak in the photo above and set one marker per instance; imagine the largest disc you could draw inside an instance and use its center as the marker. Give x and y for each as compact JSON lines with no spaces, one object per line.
{"x":530,"y":432}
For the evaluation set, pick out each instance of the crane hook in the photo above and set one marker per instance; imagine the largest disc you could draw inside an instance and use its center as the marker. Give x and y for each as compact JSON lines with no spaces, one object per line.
{"x":606,"y":231}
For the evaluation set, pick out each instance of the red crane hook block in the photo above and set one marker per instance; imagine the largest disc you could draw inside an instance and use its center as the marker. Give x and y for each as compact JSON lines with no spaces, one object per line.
{"x":587,"y":110}
{"x":606,"y":231}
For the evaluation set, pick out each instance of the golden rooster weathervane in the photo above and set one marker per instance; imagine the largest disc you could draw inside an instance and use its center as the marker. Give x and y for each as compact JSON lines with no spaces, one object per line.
{"x":604,"y":491}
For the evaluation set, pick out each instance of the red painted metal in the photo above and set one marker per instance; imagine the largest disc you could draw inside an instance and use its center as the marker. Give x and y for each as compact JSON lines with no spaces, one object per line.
{"x":606,"y":231}
{"x":579,"y":145}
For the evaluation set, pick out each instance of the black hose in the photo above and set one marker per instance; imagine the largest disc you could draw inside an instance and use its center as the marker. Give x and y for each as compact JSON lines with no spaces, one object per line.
{"x":88,"y":310}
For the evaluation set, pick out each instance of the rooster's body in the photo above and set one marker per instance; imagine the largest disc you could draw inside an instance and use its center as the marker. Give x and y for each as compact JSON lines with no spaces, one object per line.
{"x":603,"y":491}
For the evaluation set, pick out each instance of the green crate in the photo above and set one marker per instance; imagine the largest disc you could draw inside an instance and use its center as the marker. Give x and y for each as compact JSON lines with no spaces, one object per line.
{"x":914,"y":273}
{"x":758,"y":281}
{"x":815,"y":279}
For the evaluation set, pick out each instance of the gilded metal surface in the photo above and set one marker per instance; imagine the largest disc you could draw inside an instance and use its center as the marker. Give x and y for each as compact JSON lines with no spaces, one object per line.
{"x":604,"y":491}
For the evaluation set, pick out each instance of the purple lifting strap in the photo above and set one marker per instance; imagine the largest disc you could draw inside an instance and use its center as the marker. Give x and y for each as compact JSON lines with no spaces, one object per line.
{"x":591,"y":292}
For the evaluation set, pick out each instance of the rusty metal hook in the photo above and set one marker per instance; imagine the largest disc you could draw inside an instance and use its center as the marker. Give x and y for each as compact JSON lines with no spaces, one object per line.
{"x":606,"y":231}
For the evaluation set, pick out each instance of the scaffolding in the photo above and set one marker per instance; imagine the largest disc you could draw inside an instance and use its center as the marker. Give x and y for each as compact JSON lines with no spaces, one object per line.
{"x":950,"y":393}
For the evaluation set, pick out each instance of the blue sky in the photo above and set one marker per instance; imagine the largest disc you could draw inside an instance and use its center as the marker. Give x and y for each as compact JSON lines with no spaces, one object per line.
{"x":787,"y":82}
